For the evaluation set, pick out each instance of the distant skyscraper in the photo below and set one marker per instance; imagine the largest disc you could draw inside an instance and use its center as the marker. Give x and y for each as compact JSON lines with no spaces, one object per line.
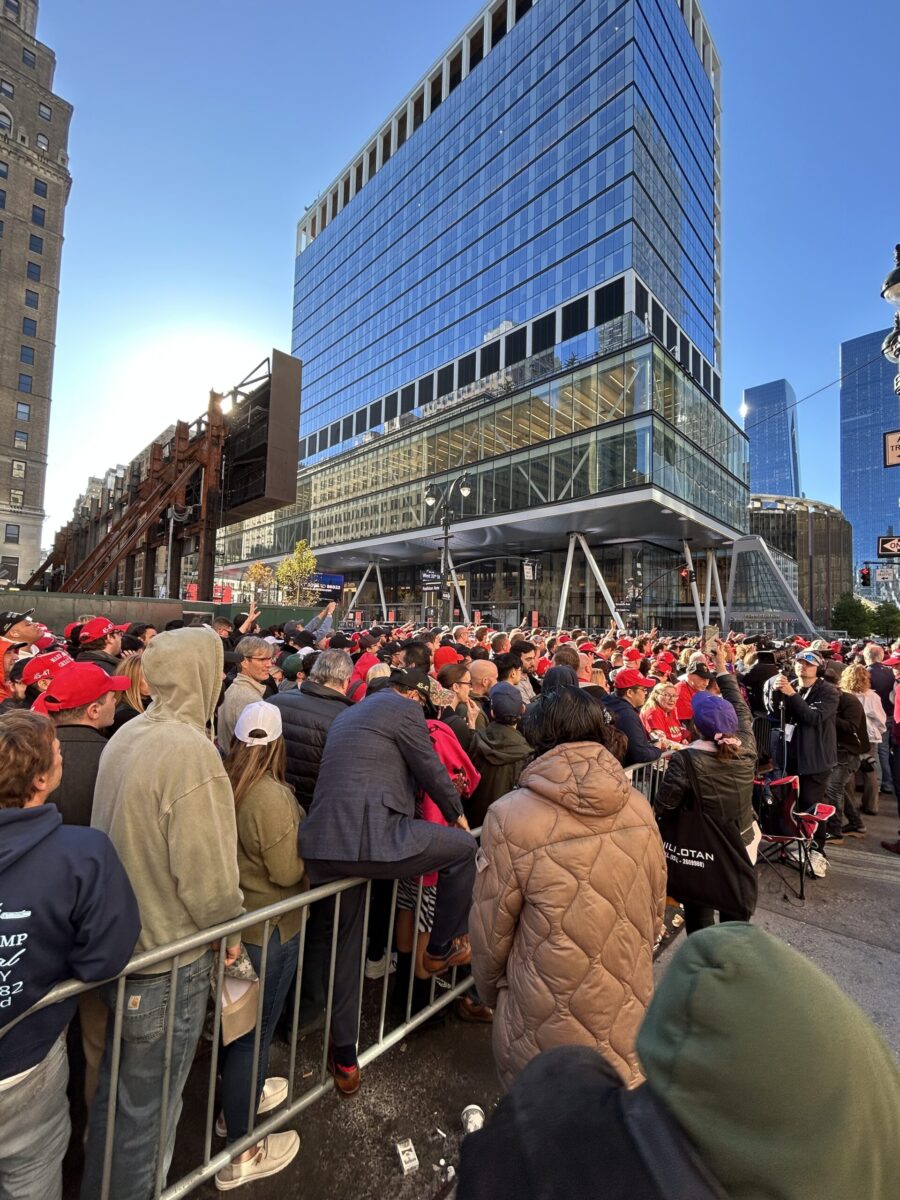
{"x":770,"y":420}
{"x":34,"y":188}
{"x":869,"y":408}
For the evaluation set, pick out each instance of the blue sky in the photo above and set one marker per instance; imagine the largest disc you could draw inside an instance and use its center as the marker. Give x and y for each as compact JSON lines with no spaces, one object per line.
{"x":198,"y":140}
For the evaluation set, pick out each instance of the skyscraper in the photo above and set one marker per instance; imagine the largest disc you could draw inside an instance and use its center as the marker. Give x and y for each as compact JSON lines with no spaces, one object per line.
{"x":869,"y":408}
{"x":34,"y":188}
{"x":517,"y":275}
{"x":770,"y":421}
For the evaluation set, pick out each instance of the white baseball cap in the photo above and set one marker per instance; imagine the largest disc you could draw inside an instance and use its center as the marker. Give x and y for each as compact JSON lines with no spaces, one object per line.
{"x":259,"y":724}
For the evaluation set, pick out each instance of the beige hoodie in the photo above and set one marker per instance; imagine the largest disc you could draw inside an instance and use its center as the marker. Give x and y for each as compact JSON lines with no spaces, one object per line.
{"x":163,"y":796}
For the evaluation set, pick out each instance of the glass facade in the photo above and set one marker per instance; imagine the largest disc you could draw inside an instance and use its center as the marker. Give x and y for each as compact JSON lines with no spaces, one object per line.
{"x":869,"y":408}
{"x":581,"y":146}
{"x":770,"y":420}
{"x":625,"y":422}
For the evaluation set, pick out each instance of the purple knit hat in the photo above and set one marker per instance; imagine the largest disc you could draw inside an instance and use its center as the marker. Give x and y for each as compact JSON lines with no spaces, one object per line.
{"x":714,"y":715}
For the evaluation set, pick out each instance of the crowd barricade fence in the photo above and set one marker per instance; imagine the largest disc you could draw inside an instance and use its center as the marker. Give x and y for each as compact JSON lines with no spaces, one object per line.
{"x":383,"y":1033}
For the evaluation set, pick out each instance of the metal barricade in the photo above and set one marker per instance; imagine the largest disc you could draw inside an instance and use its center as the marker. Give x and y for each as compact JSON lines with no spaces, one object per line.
{"x":646,"y":777}
{"x":165,"y":960}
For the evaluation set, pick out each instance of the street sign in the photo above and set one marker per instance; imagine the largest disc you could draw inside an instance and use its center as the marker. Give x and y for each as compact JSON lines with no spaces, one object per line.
{"x":889,"y":547}
{"x":431,"y":580}
{"x":884,"y":574}
{"x":892,"y":449}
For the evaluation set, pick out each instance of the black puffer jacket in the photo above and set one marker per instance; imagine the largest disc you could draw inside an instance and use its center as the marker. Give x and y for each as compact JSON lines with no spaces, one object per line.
{"x":851,"y":727}
{"x":726,"y":785}
{"x":306,"y":716}
{"x":100,"y":658}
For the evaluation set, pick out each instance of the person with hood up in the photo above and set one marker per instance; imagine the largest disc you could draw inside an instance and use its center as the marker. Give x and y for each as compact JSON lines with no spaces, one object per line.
{"x":67,"y":912}
{"x":715,"y":1120}
{"x":499,"y":752}
{"x":569,"y":897}
{"x":166,"y":802}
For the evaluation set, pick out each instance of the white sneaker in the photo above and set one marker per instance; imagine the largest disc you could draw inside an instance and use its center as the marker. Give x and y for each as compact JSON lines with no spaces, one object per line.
{"x":272,"y":1155}
{"x":375,"y":968}
{"x":818,"y":863}
{"x":274,"y":1092}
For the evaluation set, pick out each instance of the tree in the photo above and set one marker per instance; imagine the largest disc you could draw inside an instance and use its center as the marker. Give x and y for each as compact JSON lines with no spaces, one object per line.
{"x":886,"y":621}
{"x":295,"y":574}
{"x":260,"y":576}
{"x":851,"y":614}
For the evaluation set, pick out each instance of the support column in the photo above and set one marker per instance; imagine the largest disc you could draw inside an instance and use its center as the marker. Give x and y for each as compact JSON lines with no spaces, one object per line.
{"x":707,"y":598}
{"x":567,"y":579}
{"x":719,"y":601}
{"x":462,"y":600}
{"x":694,"y":592}
{"x":381,"y":592}
{"x":362,"y":584}
{"x":148,"y":578}
{"x":601,"y":582}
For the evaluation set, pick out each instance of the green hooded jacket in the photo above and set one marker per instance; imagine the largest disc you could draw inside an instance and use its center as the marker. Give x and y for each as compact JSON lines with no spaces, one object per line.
{"x":788,"y":1091}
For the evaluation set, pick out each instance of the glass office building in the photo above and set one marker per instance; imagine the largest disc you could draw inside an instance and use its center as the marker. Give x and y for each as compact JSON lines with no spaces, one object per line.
{"x":770,"y":421}
{"x":870,"y":492}
{"x":518,"y":276}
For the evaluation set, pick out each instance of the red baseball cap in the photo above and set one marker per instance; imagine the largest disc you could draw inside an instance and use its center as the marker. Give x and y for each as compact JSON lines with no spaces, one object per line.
{"x":45,"y":666}
{"x":623,"y":643}
{"x":444,"y":655}
{"x":893,"y":661}
{"x":76,"y":685}
{"x":97,"y":628}
{"x":628,"y":677}
{"x":67,"y":632}
{"x":666,"y":656}
{"x":632,"y":654}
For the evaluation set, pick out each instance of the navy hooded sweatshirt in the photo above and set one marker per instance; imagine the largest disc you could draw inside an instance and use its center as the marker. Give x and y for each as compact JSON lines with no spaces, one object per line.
{"x":66,"y":911}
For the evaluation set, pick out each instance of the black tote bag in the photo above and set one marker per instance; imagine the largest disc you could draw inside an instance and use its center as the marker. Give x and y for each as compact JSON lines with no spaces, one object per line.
{"x":706,"y":860}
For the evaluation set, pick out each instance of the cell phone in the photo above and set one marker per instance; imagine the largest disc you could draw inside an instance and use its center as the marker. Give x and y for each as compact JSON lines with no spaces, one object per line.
{"x":709,"y":638}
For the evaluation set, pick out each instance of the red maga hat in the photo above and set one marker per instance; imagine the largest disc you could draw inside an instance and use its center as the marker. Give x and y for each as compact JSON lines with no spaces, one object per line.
{"x":46,"y":666}
{"x":628,"y":677}
{"x":76,"y":685}
{"x":97,"y":628}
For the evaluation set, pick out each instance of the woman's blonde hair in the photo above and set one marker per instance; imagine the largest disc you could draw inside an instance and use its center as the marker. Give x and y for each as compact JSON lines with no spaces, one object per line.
{"x":652,"y":700}
{"x":855,"y":678}
{"x":377,"y":672}
{"x":133,"y":671}
{"x":246,"y":765}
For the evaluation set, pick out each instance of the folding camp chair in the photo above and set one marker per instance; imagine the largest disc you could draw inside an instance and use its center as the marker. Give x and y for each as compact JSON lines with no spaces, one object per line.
{"x":784,"y":825}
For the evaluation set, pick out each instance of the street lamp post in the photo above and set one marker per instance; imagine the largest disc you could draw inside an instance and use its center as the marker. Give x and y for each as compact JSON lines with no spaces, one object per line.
{"x":443,"y":497}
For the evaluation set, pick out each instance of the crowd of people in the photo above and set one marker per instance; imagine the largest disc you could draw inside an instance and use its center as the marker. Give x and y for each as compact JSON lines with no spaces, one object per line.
{"x":171,"y":780}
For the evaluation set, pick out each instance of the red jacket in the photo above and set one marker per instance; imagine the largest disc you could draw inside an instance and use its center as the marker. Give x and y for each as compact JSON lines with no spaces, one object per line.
{"x":684,"y":705}
{"x":665,"y":723}
{"x":458,"y":764}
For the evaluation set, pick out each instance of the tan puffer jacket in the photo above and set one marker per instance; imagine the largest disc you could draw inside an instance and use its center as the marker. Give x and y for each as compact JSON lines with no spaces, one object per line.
{"x":569,"y":900}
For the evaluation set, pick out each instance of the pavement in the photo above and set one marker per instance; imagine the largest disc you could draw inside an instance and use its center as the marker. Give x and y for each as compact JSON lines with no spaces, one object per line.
{"x":847,"y":926}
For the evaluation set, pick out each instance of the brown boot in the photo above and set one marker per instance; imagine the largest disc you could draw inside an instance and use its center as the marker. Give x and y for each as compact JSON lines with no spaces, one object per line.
{"x":894,"y":847}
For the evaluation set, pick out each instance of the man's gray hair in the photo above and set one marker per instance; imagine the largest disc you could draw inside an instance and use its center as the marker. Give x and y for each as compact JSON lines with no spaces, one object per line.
{"x":873,"y":653}
{"x":254,"y":647}
{"x":332,"y":666}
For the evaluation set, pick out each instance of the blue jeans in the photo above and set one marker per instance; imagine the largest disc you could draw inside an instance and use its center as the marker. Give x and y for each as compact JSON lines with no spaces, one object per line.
{"x":138,"y":1129}
{"x":34,"y":1120}
{"x":237,"y":1058}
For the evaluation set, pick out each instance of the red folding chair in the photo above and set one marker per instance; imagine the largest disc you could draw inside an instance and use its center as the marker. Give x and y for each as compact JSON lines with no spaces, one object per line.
{"x":783,"y":825}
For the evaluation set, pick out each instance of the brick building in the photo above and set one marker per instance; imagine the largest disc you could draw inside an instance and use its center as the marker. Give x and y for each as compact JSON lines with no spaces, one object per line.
{"x":34,"y":188}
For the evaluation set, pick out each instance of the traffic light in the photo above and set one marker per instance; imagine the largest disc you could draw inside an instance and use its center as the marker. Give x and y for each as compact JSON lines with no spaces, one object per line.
{"x":865,"y":577}
{"x":687,"y":575}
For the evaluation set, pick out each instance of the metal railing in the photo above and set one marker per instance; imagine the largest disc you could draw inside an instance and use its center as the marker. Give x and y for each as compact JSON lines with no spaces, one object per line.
{"x":166,"y":959}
